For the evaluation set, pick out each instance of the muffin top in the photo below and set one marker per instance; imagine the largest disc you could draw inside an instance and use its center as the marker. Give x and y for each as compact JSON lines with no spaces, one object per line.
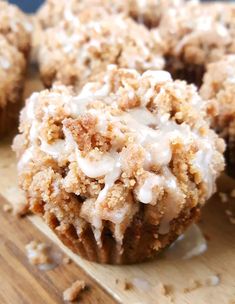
{"x":15,"y":26}
{"x":12,"y":67}
{"x":148,"y":12}
{"x":199,"y":33}
{"x":125,"y":140}
{"x":219,"y":87}
{"x":76,"y":50}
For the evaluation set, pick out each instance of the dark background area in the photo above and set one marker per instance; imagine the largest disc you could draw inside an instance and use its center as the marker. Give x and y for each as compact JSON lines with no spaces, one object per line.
{"x":30,"y":6}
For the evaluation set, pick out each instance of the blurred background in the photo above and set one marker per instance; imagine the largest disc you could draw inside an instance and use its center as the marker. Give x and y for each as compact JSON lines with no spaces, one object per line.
{"x":30,"y":6}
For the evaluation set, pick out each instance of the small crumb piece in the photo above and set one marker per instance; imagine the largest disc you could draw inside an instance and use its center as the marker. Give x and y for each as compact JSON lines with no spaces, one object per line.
{"x":224,"y":197}
{"x":116,"y":281}
{"x":72,"y":293}
{"x":232,"y":193}
{"x":230,"y":215}
{"x":7,"y":208}
{"x":66,"y":260}
{"x":213,"y":280}
{"x":37,"y":253}
{"x":166,"y":291}
{"x":193,"y":286}
{"x":232,"y":220}
{"x":228,"y":212}
{"x":20,"y":209}
{"x":128,"y":285}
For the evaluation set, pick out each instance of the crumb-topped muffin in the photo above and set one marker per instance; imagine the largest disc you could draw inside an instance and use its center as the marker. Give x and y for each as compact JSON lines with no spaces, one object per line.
{"x":12,"y":72}
{"x":15,"y":26}
{"x":76,"y":51}
{"x":148,"y":12}
{"x":197,"y":34}
{"x":120,"y":170}
{"x":219,"y":87}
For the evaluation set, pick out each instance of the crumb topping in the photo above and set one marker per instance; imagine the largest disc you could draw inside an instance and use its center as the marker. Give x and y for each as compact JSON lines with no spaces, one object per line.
{"x":124,"y":141}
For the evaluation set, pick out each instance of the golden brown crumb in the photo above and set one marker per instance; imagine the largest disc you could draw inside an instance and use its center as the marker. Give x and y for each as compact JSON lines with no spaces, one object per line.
{"x":128,"y":285}
{"x":66,"y":260}
{"x":232,"y":193}
{"x":20,"y":209}
{"x":195,"y":284}
{"x":223,"y":197}
{"x":37,"y":253}
{"x":7,"y":208}
{"x":72,"y":293}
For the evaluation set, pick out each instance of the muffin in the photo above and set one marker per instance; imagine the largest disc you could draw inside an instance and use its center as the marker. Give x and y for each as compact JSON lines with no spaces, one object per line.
{"x":219,"y":88}
{"x":148,"y":12}
{"x":197,"y":34}
{"x":120,"y":170}
{"x":74,"y":52}
{"x":12,"y":72}
{"x":15,"y":26}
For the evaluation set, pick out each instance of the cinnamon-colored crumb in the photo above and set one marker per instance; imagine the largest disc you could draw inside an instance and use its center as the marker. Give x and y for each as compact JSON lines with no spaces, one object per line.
{"x":128,"y":285}
{"x":7,"y":208}
{"x":37,"y":253}
{"x":223,"y":197}
{"x":195,"y":284}
{"x":232,"y":193}
{"x":72,"y":293}
{"x":66,"y":260}
{"x":20,"y":209}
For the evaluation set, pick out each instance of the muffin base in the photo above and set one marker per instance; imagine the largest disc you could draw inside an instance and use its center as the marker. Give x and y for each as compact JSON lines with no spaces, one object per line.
{"x":139,"y":242}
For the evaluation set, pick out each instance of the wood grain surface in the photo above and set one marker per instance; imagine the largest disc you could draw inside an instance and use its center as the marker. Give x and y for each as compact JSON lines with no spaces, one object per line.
{"x":23,"y":283}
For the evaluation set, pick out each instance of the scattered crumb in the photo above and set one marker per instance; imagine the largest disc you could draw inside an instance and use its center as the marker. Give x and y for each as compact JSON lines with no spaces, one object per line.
{"x":20,"y":209}
{"x":7,"y":208}
{"x":213,"y":280}
{"x":166,"y":291}
{"x":66,"y":260}
{"x":128,"y":285}
{"x":228,"y":212}
{"x":230,"y":215}
{"x":232,"y":220}
{"x":195,"y":284}
{"x":232,"y":193}
{"x":224,"y":197}
{"x":72,"y":293}
{"x":37,"y":253}
{"x":116,"y":281}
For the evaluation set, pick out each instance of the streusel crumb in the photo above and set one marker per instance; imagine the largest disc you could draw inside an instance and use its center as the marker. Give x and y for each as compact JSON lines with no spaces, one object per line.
{"x":72,"y":293}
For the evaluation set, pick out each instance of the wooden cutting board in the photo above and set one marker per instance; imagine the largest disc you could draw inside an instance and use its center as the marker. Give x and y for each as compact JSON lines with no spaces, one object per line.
{"x":176,"y":273}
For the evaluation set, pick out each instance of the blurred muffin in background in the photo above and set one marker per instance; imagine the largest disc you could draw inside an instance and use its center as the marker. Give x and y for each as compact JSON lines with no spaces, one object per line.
{"x":79,"y":49}
{"x":196,"y":34}
{"x":16,"y":27}
{"x":15,"y":41}
{"x":219,"y":88}
{"x":148,"y":12}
